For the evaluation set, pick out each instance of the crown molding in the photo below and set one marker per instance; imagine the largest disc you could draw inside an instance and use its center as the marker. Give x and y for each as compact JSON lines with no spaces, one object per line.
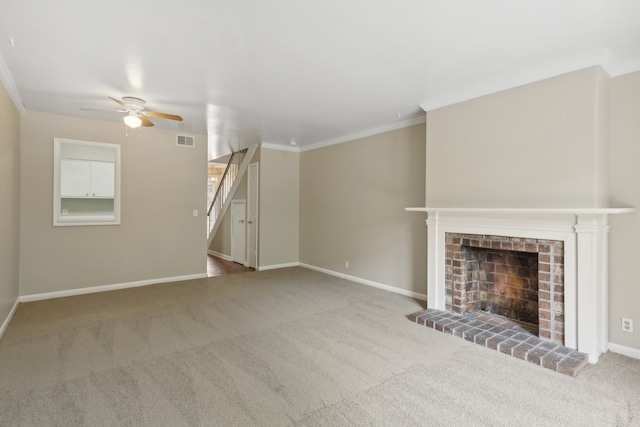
{"x":10,"y":85}
{"x":280,"y":147}
{"x":602,"y":58}
{"x":364,"y":134}
{"x":608,"y":62}
{"x":347,"y":138}
{"x":626,"y":68}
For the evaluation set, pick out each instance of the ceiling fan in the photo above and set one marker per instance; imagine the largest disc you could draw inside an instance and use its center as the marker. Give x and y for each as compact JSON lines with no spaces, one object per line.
{"x":136,"y":114}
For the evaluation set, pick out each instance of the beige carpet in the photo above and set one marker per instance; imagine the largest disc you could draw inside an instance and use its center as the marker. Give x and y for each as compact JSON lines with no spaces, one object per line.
{"x":277,"y":348}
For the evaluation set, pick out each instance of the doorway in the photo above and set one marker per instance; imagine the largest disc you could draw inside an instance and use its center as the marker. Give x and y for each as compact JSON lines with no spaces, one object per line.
{"x":217,"y":266}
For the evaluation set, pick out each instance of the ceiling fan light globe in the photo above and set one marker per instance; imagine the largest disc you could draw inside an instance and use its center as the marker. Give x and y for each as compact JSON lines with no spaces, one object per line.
{"x":132,"y":121}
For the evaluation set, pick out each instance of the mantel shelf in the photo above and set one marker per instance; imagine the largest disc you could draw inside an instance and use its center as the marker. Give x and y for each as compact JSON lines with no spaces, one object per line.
{"x":576,"y":211}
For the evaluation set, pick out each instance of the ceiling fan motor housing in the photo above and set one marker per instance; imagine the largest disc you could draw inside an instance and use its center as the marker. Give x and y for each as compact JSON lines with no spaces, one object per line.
{"x":135,"y":104}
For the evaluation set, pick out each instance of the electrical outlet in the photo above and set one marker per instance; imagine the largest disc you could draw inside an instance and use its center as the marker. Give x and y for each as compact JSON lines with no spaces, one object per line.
{"x":346,"y":264}
{"x":627,"y":325}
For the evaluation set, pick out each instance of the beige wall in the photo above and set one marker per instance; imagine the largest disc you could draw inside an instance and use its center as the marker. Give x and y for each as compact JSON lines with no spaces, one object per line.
{"x":352,"y":200}
{"x":539,"y":145}
{"x":161,"y":186}
{"x":279,"y":203}
{"x":10,"y":205}
{"x":569,"y":141}
{"x":624,"y":285}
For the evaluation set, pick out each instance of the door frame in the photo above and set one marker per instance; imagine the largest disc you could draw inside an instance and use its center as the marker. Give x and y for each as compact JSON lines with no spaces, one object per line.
{"x":234,"y":249}
{"x":252,"y":205}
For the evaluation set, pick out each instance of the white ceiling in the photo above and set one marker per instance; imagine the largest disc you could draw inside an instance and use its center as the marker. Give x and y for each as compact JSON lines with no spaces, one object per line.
{"x":313,"y":72}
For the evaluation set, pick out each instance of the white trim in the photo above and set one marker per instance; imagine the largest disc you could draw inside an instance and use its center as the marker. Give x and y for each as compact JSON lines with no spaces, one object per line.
{"x":107,"y":218}
{"x":602,"y":58}
{"x":7,"y":321}
{"x":608,"y":62}
{"x":10,"y":85}
{"x":576,"y":211}
{"x":253,"y":166}
{"x":234,"y":248}
{"x":104,"y":288}
{"x":501,"y":82}
{"x":277,"y":266}
{"x":376,"y":131}
{"x":396,"y":290}
{"x":626,"y":68}
{"x":219,"y":255}
{"x":625,"y":351}
{"x":280,"y":147}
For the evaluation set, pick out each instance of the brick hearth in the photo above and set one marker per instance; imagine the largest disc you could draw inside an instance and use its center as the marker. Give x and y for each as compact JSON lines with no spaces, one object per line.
{"x":499,"y":333}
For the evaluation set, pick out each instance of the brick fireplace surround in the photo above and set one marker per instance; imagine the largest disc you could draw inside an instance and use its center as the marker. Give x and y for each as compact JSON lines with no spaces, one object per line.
{"x":501,"y":281}
{"x":571,"y":247}
{"x":509,"y":295}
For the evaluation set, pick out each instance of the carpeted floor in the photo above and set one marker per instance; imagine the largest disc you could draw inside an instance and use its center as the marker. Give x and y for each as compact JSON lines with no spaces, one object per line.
{"x":276,"y":348}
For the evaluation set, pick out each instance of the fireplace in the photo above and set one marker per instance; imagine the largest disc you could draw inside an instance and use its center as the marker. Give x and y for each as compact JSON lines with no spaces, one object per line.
{"x":572,"y":273}
{"x":521,"y":279}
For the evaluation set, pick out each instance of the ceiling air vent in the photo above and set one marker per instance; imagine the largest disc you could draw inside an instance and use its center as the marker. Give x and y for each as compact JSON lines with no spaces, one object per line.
{"x":185,"y":141}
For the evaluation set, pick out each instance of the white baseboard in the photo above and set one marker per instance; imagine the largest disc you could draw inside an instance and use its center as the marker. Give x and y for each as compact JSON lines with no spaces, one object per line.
{"x":276,"y":266}
{"x":104,"y":288}
{"x":625,"y":351}
{"x":7,"y":321}
{"x":219,"y":255}
{"x":394,"y":289}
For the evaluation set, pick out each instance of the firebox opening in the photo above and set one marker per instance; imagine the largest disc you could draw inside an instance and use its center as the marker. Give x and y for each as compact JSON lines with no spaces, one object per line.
{"x":496,"y":270}
{"x":504,"y":283}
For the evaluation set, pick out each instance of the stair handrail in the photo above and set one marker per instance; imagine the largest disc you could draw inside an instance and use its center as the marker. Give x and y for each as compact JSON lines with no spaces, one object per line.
{"x":224,"y":175}
{"x":219,"y":196}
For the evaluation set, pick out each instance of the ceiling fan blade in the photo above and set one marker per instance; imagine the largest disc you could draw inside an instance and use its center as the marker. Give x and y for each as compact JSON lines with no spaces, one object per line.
{"x":122,"y":104}
{"x":163,"y":115}
{"x":145,"y":122}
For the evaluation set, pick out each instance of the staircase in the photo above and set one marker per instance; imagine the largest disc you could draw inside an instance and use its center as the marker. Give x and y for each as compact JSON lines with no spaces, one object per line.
{"x":235,"y":170}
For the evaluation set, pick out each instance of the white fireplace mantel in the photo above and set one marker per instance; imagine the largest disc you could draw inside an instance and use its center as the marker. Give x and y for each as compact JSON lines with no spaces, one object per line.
{"x":574,"y":211}
{"x":584,"y":232}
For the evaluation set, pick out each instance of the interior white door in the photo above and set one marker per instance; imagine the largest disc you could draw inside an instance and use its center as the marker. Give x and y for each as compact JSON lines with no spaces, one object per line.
{"x":238,"y":232}
{"x":252,"y":216}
